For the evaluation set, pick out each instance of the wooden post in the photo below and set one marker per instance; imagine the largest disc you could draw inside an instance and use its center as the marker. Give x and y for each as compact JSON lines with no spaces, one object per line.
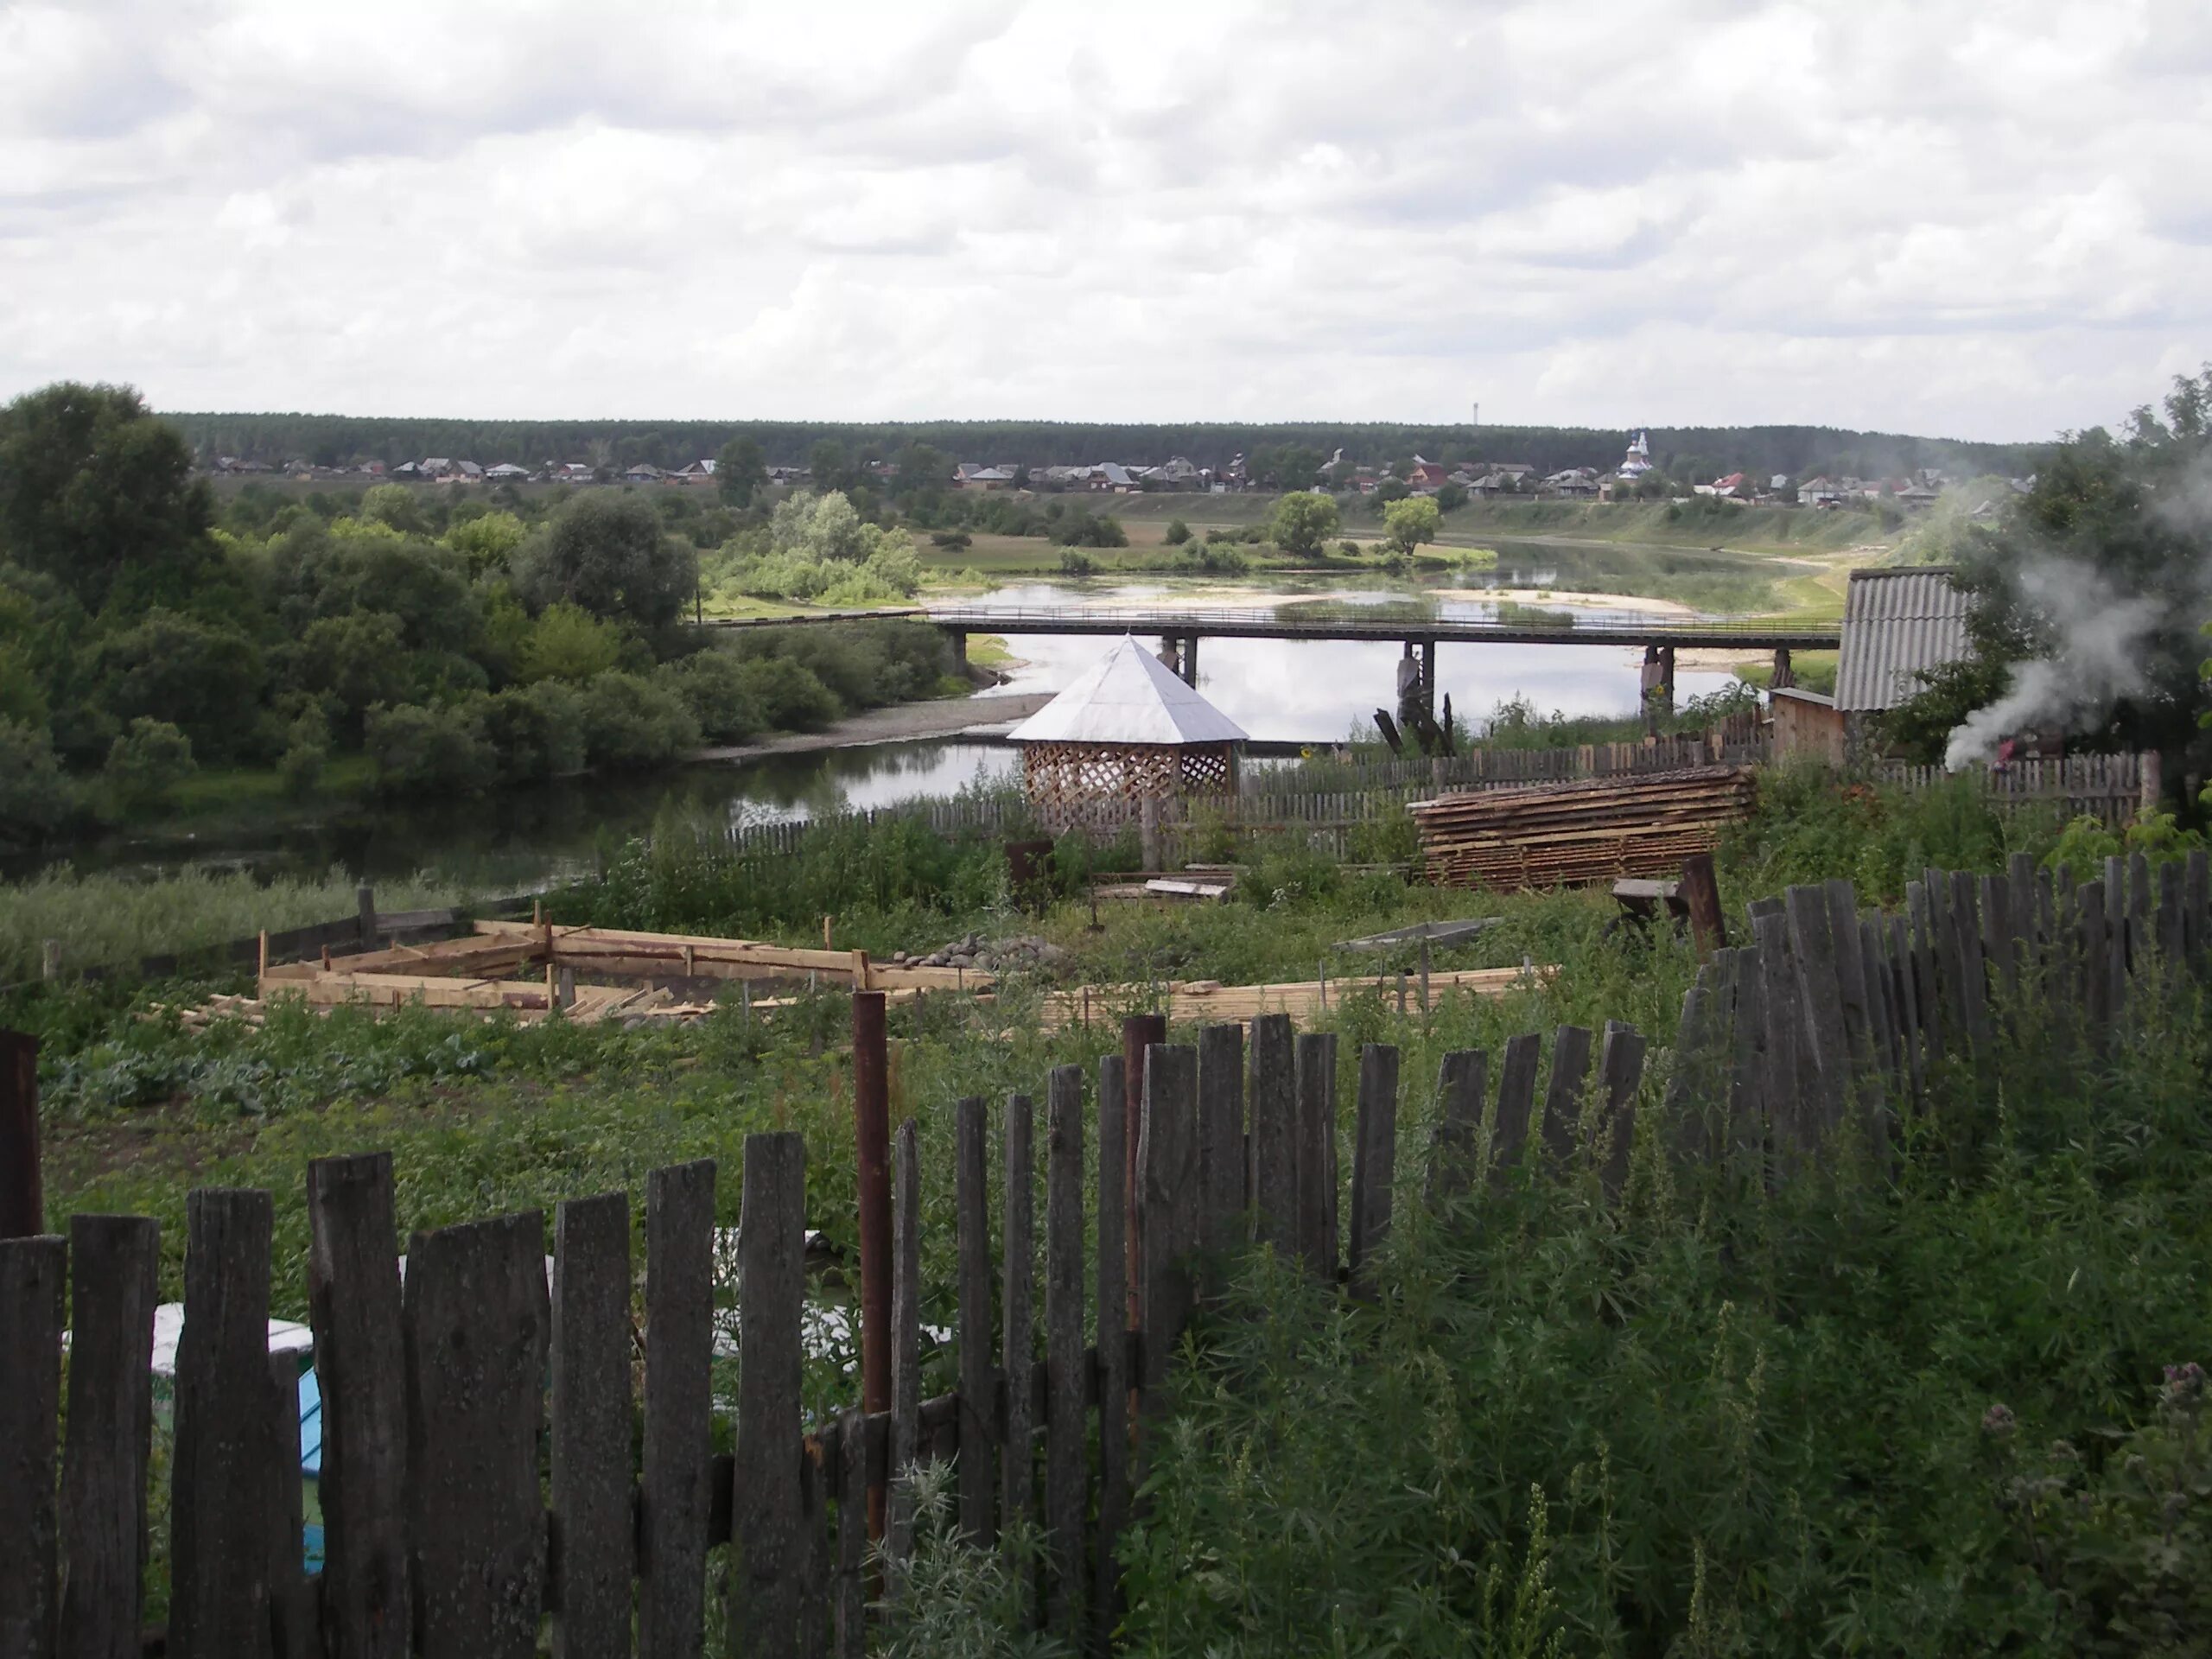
{"x":767,"y":1523}
{"x":1562,"y":1128}
{"x":1374,"y":1159}
{"x":674,"y":1496}
{"x":114,"y":1262}
{"x":364,"y":898}
{"x":1017,"y":1346}
{"x":1221,"y":1144}
{"x":1317,"y":1154}
{"x":23,"y":1187}
{"x":31,"y":1272}
{"x":905,"y":1341}
{"x":49,"y":960}
{"x":1455,"y":1151}
{"x":1066,"y":1436}
{"x":1701,"y":891}
{"x":1138,"y":1032}
{"x":1113,"y":1346}
{"x":972,"y":1229}
{"x":1166,"y":1207}
{"x":591,"y":1425}
{"x":475,"y":1512}
{"x":354,"y":1302}
{"x":871,"y":1146}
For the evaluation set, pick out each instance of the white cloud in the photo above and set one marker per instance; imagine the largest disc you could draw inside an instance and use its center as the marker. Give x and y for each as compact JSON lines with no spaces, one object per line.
{"x":1926,"y":215}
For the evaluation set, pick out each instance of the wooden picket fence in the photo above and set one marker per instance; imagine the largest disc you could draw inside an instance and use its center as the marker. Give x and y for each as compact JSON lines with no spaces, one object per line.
{"x":463,"y":1507}
{"x":2111,"y":788}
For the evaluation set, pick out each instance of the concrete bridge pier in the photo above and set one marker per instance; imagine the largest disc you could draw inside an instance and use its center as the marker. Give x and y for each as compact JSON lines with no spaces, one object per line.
{"x":1658,"y":684}
{"x":957,"y":638}
{"x":1784,"y":675}
{"x":1191,"y":660}
{"x":1179,"y":652}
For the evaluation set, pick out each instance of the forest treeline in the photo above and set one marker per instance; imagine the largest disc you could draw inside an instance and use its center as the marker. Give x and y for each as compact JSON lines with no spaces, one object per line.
{"x":1797,"y":451}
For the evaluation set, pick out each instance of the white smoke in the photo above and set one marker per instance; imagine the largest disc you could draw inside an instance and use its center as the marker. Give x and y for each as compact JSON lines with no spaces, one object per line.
{"x":2102,"y":637}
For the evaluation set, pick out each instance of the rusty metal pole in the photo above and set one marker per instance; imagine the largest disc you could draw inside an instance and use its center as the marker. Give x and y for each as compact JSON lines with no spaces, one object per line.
{"x":872,"y":1143}
{"x":1138,"y":1032}
{"x":22,"y":1192}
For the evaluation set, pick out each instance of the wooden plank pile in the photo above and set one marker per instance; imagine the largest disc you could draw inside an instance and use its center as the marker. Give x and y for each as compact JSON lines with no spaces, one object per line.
{"x":1209,"y":999}
{"x":1570,"y":834}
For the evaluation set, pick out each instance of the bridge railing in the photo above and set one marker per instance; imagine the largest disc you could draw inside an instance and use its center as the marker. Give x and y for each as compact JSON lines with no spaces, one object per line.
{"x":1385,"y":619}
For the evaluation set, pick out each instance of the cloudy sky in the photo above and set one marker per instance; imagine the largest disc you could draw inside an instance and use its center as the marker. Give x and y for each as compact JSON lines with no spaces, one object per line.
{"x":1971,"y":217}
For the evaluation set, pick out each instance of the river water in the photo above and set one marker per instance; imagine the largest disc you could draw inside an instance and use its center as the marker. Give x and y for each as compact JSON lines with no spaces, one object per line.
{"x":1281,"y":690}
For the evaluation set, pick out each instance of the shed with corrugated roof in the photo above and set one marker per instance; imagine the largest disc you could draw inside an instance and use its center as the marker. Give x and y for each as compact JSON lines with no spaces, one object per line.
{"x":1898,"y":623}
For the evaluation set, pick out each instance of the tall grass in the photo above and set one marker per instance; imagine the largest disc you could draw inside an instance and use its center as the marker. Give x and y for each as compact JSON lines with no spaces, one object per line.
{"x":108,"y":920}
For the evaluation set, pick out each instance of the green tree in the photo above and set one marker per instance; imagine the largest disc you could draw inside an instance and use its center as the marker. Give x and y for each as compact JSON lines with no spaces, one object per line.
{"x":1449,"y":496}
{"x":92,"y":485}
{"x":396,"y":506}
{"x":923,"y":470}
{"x":1177,"y":532}
{"x":1288,"y":467}
{"x":829,"y":467}
{"x":36,"y":799}
{"x":487,"y":542}
{"x":1409,"y":522}
{"x":568,"y":643}
{"x":354,"y":661}
{"x":422,"y":748}
{"x":1303,"y":520}
{"x":608,"y":554}
{"x":206,"y":680}
{"x":145,"y":764}
{"x":740,"y":472}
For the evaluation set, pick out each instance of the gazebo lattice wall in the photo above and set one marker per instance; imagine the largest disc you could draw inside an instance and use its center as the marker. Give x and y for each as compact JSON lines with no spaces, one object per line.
{"x":1087,"y":783}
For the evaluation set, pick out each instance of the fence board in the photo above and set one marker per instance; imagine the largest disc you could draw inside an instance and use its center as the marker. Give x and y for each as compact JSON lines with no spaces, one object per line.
{"x":2116,"y":892}
{"x":1870,"y":937}
{"x":2096,"y":961}
{"x":852,"y":1535}
{"x":1316,"y":1155}
{"x":1903,"y":969}
{"x":905,"y":1338}
{"x":1374,"y":1158}
{"x":1690,"y":1088}
{"x":115,"y":1266}
{"x":1017,"y":1304}
{"x":767,"y":1533}
{"x":1823,"y":1039}
{"x":1273,"y":1141}
{"x":2171,"y":928}
{"x":219,"y":1509}
{"x":1562,"y":1128}
{"x":1853,"y":995}
{"x":2197,"y":906}
{"x":1620,"y":1068}
{"x":1517,"y":1099}
{"x":592,"y":1514}
{"x":293,"y":1626}
{"x":675,"y":1499}
{"x":1066,"y":1423}
{"x":360,"y":1371}
{"x":1113,"y":1346}
{"x":32,"y":1270}
{"x":1166,"y":1205}
{"x":1974,"y":975}
{"x":978,"y":1467}
{"x":1928,"y":1006}
{"x":1794,"y":1124}
{"x":477,"y":1318}
{"x":1455,"y":1154}
{"x":1220,"y":1145}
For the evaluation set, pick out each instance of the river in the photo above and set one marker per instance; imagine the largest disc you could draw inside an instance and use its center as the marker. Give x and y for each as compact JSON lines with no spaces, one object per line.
{"x":1280,"y":690}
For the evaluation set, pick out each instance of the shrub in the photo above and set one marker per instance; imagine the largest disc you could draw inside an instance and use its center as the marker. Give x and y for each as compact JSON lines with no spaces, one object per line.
{"x":148,"y":761}
{"x":537,"y":731}
{"x":629,"y":720}
{"x":35,"y":798}
{"x":1075,"y":563}
{"x":423,"y":747}
{"x":568,"y":643}
{"x":306,"y":746}
{"x":721,"y":693}
{"x":1177,"y":532}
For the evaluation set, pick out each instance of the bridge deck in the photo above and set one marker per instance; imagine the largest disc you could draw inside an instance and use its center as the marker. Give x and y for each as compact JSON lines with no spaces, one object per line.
{"x":1395,"y":624}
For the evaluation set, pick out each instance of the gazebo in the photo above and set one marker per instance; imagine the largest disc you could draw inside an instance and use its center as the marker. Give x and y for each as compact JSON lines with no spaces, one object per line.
{"x":1126,"y":732}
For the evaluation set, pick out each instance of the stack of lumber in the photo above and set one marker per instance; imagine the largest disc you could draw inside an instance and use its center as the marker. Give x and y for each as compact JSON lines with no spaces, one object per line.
{"x":1211,"y":1002}
{"x":1569,"y":835}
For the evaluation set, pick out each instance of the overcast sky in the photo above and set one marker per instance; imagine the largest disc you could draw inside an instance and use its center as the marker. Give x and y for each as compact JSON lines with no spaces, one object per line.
{"x":1966,"y":218}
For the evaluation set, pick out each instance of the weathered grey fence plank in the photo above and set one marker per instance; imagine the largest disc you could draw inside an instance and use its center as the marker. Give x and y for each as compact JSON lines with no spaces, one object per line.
{"x":1690,"y":1087}
{"x":1570,"y":1075}
{"x":1017,"y":1302}
{"x":1455,"y":1156}
{"x":1748,"y":1105}
{"x":1113,"y":1330}
{"x":1166,"y":1205}
{"x":1974,"y":967}
{"x":1374,"y":1159}
{"x":814,"y":1595}
{"x":1220,"y":1145}
{"x":294,"y":1629}
{"x":978,"y":1468}
{"x":2171,"y":926}
{"x":592,"y":1513}
{"x":115,"y":1266}
{"x":767,"y":1532}
{"x":219,"y":1511}
{"x":1516,"y":1103}
{"x":1066,"y":1424}
{"x":1620,"y":1068}
{"x":1790,"y":1111}
{"x":477,"y":1321}
{"x":1853,"y":996}
{"x":2197,"y":906}
{"x":32,"y":1271}
{"x":905,"y":1338}
{"x":1826,"y":1041}
{"x":1928,"y":1007}
{"x":360,"y":1368}
{"x":852,"y":1535}
{"x":1274,"y":1136}
{"x":675,"y":1498}
{"x":2096,"y":961}
{"x":1903,"y":968}
{"x":2116,"y":932}
{"x":2140,"y":937}
{"x":1317,"y":1154}
{"x":1994,"y":896}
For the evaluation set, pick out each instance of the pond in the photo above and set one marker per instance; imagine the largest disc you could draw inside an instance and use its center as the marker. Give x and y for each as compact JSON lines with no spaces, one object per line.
{"x":1302,"y":691}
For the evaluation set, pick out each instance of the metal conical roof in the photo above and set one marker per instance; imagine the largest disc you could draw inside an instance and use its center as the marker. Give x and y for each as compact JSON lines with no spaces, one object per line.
{"x":1128,"y":697}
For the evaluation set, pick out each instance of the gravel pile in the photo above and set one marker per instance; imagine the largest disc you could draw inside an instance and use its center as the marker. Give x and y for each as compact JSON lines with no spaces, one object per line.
{"x":1020,"y":952}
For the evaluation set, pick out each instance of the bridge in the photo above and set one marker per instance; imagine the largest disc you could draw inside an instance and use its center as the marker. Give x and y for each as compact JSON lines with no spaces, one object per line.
{"x":1418,"y":628}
